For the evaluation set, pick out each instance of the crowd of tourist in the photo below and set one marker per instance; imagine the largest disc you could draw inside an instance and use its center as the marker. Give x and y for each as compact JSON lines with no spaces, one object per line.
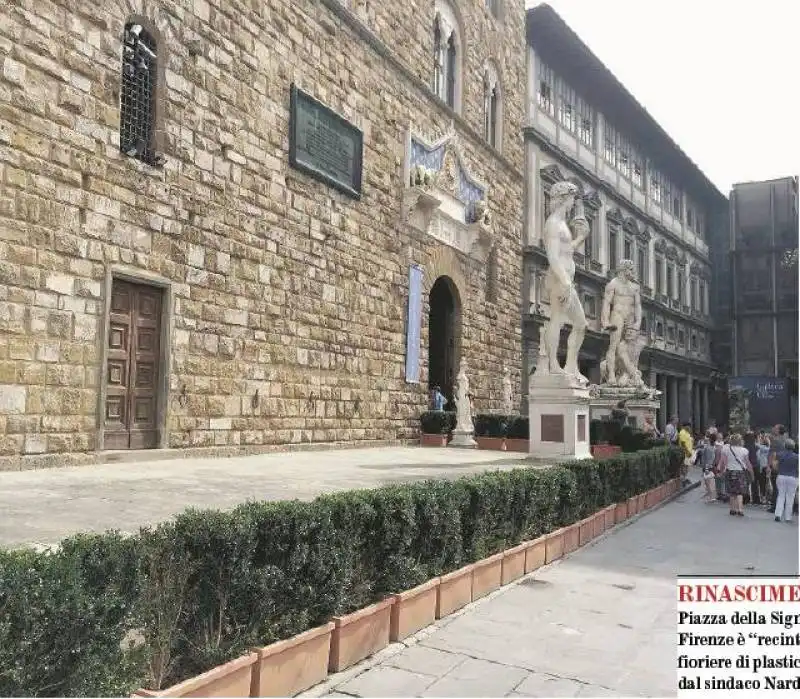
{"x":759,"y":470}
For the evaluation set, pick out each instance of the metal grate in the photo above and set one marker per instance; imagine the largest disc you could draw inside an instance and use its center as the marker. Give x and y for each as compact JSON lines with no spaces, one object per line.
{"x":138,"y":94}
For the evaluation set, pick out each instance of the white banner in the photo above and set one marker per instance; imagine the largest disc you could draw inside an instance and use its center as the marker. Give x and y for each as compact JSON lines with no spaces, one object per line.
{"x":738,"y":635}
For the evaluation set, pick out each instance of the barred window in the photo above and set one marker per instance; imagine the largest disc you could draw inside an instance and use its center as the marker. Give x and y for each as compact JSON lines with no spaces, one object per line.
{"x":623,"y":155}
{"x":655,"y":186}
{"x":610,"y":150}
{"x":642,"y":264}
{"x":659,"y":275}
{"x":612,"y":250}
{"x":585,"y":115}
{"x":627,"y":249}
{"x":447,"y":59}
{"x":544,"y":93}
{"x":138,"y":94}
{"x":566,"y":106}
{"x":638,"y":167}
{"x":695,"y":298}
{"x":681,"y":286}
{"x":493,"y":107}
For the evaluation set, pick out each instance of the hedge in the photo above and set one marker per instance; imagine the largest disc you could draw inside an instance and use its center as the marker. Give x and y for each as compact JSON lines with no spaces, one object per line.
{"x":104,"y":614}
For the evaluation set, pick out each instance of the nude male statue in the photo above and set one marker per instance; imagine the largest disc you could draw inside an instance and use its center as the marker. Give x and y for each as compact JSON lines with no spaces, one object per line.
{"x":622,"y":317}
{"x":565,"y":305}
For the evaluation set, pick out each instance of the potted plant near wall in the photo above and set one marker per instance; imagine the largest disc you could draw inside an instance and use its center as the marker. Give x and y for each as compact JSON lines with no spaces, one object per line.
{"x":490,"y":431}
{"x":435,"y":427}
{"x":517,"y":434}
{"x":601,"y":436}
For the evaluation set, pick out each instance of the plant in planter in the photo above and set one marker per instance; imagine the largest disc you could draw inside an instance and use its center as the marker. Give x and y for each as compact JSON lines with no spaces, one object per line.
{"x":518,"y":434}
{"x":490,"y":431}
{"x":435,"y":426}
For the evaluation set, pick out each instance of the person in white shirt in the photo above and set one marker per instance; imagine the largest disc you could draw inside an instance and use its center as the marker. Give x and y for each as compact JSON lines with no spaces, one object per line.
{"x":671,"y":430}
{"x":737,"y":464}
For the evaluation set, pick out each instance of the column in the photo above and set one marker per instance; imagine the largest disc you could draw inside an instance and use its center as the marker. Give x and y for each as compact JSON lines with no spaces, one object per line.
{"x":685,"y":405}
{"x":672,"y":397}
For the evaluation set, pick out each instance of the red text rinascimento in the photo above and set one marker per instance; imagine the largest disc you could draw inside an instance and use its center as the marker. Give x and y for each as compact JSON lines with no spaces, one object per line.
{"x":739,"y":593}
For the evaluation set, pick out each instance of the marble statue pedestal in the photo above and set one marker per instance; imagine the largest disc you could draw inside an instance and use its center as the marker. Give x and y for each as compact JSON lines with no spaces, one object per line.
{"x":639,"y":403}
{"x":463,"y":439}
{"x":558,"y":414}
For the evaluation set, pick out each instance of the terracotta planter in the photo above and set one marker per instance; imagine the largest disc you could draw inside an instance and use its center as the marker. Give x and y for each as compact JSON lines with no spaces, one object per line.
{"x":433,"y":440}
{"x":454,"y":591}
{"x":289,"y":667}
{"x":586,"y":530}
{"x":599,"y":523}
{"x":513,"y":563}
{"x":413,"y":610}
{"x":517,"y":445}
{"x":604,"y":451}
{"x":487,"y":576}
{"x":641,"y":505}
{"x":536,"y":554}
{"x":572,"y":537}
{"x":233,"y":679}
{"x":359,"y":635}
{"x":610,"y":517}
{"x":620,"y":512}
{"x":491,"y":443}
{"x":633,"y":506}
{"x":554,"y":546}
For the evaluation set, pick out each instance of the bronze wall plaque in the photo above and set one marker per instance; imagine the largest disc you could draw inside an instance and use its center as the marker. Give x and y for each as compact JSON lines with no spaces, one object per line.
{"x":553,"y":428}
{"x":581,"y":428}
{"x":324,"y":144}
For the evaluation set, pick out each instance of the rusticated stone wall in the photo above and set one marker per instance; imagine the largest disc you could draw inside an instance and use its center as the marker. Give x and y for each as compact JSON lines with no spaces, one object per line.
{"x":278,"y":283}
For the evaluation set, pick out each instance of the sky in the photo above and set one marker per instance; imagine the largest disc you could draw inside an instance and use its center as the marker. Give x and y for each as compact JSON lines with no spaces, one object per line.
{"x":722,"y":78}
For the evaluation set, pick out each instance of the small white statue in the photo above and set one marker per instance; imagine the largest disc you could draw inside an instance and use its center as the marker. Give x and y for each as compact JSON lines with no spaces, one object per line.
{"x":463,"y":403}
{"x":508,"y":393}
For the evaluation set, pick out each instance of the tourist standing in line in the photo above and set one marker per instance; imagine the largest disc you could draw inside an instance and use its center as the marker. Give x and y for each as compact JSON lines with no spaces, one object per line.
{"x":719,"y":468}
{"x":671,"y":430}
{"x":686,"y":443}
{"x":776,"y":443}
{"x":736,"y":467}
{"x":438,"y":398}
{"x":762,"y":457}
{"x":786,"y":481}
{"x":708,"y":456}
{"x":754,"y":490}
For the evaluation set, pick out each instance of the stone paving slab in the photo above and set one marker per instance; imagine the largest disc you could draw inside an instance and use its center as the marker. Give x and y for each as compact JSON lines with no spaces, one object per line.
{"x":598,"y":623}
{"x":42,"y":507}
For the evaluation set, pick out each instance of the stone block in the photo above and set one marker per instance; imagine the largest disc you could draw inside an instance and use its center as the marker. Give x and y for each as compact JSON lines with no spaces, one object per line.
{"x":12,"y":399}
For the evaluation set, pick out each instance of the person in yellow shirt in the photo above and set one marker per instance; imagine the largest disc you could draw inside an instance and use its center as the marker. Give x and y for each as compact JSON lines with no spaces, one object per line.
{"x":686,"y":443}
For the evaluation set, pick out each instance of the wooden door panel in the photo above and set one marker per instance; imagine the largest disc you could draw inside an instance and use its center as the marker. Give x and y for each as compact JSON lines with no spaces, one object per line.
{"x":132,"y":367}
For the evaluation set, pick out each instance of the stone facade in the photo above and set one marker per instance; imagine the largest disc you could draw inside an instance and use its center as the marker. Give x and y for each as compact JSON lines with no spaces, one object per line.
{"x":285,"y":300}
{"x":652,"y":206}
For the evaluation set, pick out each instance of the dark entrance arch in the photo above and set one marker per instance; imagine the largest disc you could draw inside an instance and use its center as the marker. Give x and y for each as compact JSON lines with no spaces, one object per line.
{"x":442,"y":336}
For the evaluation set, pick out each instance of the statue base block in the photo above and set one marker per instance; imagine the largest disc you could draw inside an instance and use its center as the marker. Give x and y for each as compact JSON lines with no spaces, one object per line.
{"x":639,"y":403}
{"x":558,"y":414}
{"x":462,"y":439}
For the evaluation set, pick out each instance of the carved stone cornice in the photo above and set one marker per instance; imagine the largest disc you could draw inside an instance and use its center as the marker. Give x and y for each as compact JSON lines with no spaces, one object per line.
{"x":592,"y":200}
{"x":661,"y":246}
{"x":695,"y":269}
{"x":631,"y":225}
{"x":645,"y":235}
{"x":672,"y":253}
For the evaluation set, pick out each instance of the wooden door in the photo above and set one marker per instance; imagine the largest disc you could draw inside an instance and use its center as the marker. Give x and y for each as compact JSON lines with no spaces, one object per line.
{"x":132,"y":367}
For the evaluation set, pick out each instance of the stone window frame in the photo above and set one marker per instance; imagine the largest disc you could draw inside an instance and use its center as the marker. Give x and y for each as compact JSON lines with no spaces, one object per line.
{"x":637,"y":167}
{"x":493,"y":106}
{"x":681,"y":337}
{"x":586,"y":123}
{"x":624,"y":158}
{"x":152,"y":152}
{"x":448,"y":55}
{"x":567,"y":106}
{"x":660,"y":329}
{"x":590,"y":305}
{"x":610,"y":145}
{"x":655,"y":186}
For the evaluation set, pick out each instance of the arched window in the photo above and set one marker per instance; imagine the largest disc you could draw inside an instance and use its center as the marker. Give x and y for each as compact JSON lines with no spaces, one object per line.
{"x":447,"y":55}
{"x":492,"y":106}
{"x":138,"y":93}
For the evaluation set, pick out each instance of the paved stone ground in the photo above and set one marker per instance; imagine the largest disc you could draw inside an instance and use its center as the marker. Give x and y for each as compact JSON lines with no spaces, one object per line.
{"x":598,"y":623}
{"x":42,"y":507}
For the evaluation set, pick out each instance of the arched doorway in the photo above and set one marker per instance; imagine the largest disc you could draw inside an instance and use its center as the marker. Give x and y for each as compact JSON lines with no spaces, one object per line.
{"x":443,"y":322}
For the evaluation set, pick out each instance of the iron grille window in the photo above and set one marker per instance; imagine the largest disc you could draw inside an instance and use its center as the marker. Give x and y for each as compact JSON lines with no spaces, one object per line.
{"x":566,"y":107}
{"x":624,"y":155}
{"x":138,"y":94}
{"x":611,"y":145}
{"x":638,"y":167}
{"x":655,"y":186}
{"x":659,"y":276}
{"x":544,"y":94}
{"x":642,"y":255}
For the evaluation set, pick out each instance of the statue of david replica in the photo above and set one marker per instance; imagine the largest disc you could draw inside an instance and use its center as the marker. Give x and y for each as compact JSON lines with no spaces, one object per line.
{"x":558,"y":402}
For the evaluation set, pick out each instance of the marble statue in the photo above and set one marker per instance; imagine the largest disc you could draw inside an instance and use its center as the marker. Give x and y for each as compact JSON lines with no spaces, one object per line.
{"x":508,"y":393}
{"x":621,"y":316}
{"x":462,"y":434}
{"x":565,"y":304}
{"x":463,"y":407}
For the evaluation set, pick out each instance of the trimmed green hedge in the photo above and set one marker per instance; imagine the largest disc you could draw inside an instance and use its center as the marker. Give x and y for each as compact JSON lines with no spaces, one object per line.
{"x":105,"y":614}
{"x":437,"y":422}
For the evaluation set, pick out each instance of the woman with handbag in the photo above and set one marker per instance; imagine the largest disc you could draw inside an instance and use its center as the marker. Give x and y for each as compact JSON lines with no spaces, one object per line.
{"x":737,"y":467}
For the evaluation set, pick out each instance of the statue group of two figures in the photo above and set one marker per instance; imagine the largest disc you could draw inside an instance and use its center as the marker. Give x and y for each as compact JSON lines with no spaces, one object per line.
{"x":621,"y":314}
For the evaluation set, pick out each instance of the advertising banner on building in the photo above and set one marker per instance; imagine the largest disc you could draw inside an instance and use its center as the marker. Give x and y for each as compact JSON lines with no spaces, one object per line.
{"x":758,"y":401}
{"x":414,"y":327}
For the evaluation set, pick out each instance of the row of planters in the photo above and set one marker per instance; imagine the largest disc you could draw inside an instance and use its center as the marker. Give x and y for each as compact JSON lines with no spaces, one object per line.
{"x":511,"y":433}
{"x":264,"y":600}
